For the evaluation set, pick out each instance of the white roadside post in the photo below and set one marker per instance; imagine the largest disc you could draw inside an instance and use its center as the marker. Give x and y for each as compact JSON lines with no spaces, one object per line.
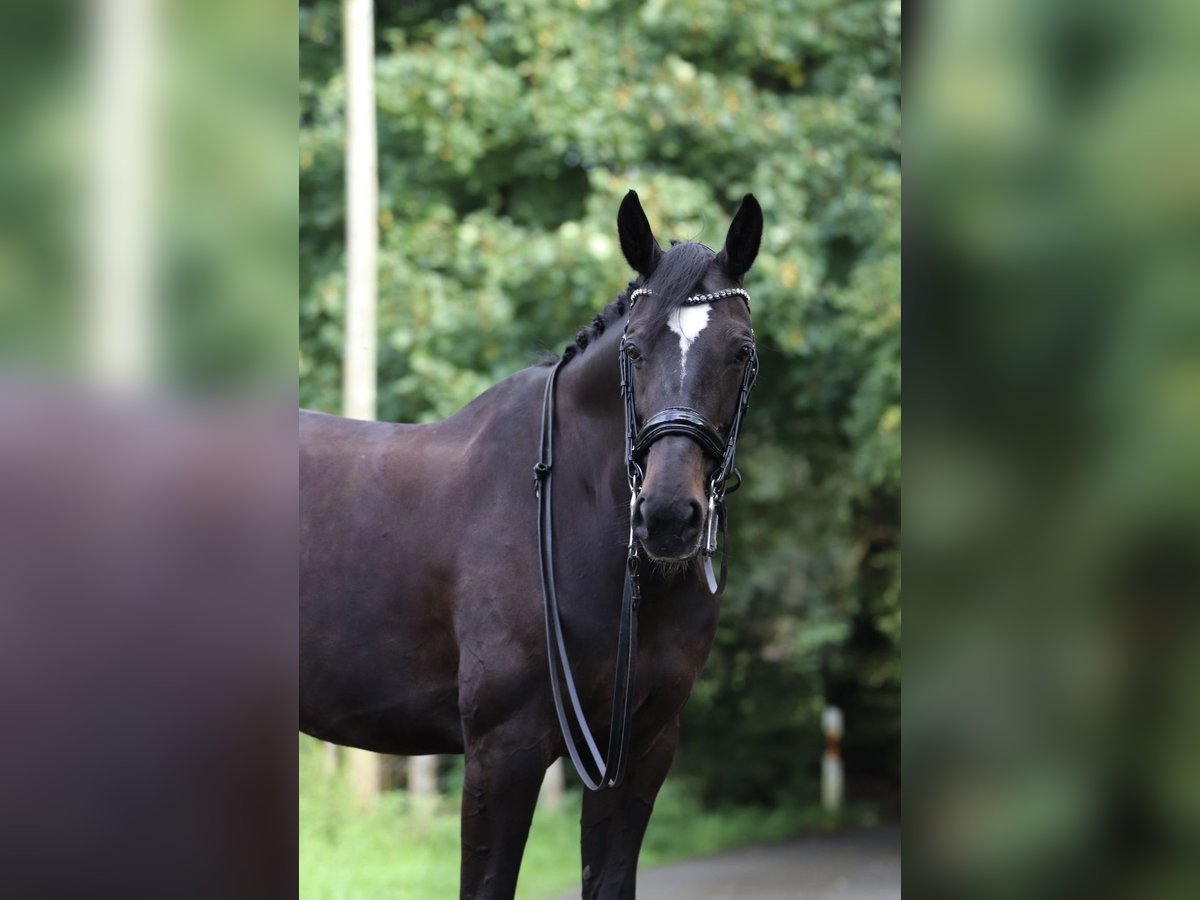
{"x":422,"y":776}
{"x":554,"y":784}
{"x":831,"y":765}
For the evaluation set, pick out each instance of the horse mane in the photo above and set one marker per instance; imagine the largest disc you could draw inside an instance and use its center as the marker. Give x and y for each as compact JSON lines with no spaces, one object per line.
{"x":675,"y":278}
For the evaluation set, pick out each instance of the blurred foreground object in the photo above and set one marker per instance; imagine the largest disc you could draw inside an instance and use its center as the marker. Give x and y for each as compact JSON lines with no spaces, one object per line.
{"x":147,"y":450}
{"x":147,"y":648}
{"x":148,"y":195}
{"x":1051,"y":485}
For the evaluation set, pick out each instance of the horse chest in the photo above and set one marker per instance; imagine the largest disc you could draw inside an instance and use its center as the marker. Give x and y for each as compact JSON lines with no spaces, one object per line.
{"x":676,"y":639}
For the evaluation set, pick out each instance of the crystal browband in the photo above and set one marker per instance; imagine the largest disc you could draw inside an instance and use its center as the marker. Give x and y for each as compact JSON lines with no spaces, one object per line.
{"x":696,"y":299}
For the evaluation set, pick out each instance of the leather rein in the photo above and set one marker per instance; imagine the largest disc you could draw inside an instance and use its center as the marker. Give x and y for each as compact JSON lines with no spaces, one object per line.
{"x":671,"y":421}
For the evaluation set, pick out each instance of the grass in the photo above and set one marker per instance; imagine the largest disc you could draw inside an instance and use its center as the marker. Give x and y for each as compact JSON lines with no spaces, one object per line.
{"x":410,"y":851}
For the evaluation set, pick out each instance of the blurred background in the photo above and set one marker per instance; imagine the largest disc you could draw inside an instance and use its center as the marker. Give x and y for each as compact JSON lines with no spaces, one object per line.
{"x":1052,"y":400}
{"x":507,"y":134}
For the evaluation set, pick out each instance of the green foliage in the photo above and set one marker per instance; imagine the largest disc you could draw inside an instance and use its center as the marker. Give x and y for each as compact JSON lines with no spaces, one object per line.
{"x":508,"y":133}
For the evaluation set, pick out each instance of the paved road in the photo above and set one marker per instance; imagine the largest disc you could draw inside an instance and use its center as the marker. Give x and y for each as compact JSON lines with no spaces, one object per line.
{"x":857,"y":865}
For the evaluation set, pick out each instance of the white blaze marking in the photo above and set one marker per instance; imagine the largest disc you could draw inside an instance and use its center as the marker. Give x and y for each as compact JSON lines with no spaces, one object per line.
{"x":688,"y":322}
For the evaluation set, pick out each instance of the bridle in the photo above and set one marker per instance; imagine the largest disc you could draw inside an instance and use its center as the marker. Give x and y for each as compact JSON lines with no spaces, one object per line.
{"x":675,"y":420}
{"x":690,"y":423}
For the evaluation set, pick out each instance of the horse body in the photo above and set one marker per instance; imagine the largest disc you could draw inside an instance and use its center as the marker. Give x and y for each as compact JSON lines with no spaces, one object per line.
{"x":422,"y":629}
{"x":380,"y":581}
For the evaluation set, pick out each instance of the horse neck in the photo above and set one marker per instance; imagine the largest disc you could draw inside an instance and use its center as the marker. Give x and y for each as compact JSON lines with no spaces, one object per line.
{"x":591,"y":410}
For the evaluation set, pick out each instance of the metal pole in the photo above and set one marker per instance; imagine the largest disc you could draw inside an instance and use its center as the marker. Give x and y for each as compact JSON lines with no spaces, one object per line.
{"x":362,"y":211}
{"x":362,"y":237}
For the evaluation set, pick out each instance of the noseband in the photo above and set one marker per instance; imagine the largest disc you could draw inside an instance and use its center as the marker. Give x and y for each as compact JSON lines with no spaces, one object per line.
{"x":675,"y":420}
{"x":685,"y":421}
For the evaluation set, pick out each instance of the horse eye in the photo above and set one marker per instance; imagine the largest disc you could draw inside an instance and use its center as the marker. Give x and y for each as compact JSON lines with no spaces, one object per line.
{"x":633,"y":352}
{"x":743,"y":354}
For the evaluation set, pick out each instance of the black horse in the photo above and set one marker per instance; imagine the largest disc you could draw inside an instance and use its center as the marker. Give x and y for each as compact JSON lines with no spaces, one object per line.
{"x":422,"y":617}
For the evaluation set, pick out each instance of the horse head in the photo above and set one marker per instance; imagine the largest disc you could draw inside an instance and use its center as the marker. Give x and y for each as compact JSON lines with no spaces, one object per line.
{"x":688,"y":361}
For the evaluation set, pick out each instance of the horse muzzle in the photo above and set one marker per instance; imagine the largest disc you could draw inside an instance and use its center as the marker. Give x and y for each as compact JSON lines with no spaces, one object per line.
{"x":668,"y":513}
{"x":669,"y":527}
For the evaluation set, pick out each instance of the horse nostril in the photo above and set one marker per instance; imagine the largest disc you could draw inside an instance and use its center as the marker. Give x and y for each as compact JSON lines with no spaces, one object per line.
{"x":696,"y":517}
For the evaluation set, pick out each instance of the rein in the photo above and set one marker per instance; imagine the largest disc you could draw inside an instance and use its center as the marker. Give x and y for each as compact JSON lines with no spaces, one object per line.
{"x":612,"y":771}
{"x":673,"y":420}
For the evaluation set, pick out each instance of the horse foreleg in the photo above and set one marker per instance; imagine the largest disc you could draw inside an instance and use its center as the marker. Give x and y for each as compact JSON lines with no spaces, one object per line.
{"x":614,"y":821}
{"x":500,"y":790}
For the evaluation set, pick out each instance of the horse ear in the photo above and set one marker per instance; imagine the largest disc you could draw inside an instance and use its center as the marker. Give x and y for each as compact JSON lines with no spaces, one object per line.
{"x":745,"y":234}
{"x":637,"y":240}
